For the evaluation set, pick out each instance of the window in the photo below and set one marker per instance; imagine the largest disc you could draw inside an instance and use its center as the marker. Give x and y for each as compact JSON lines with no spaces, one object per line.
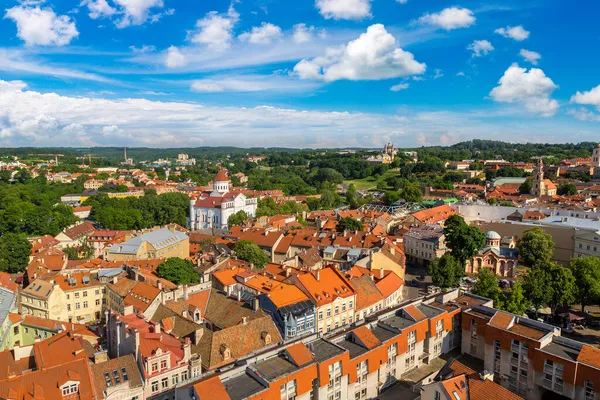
{"x":77,"y":306}
{"x":97,"y":291}
{"x":154,"y":386}
{"x":350,"y":304}
{"x":184,"y":376}
{"x":97,"y":302}
{"x":437,"y":395}
{"x":68,"y":307}
{"x":164,"y":383}
{"x":85,"y":293}
{"x":124,"y":373}
{"x":329,"y":312}
{"x":320,"y":315}
{"x":76,"y":295}
{"x":116,"y":376}
{"x":163,"y":364}
{"x":343,"y":307}
{"x":154,"y":367}
{"x":72,"y":388}
{"x":68,"y":296}
{"x":589,"y":390}
{"x":175,"y":380}
{"x":85,"y":304}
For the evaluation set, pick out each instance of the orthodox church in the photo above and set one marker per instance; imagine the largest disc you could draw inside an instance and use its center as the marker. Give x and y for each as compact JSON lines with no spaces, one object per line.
{"x":213,"y":209}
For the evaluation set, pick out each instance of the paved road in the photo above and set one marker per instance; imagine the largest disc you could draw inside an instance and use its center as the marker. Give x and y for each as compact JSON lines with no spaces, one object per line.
{"x":415,"y":273}
{"x":398,"y":390}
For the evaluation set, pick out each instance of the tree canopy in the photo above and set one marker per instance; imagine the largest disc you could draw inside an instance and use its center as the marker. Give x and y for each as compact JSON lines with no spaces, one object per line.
{"x":446,"y":271}
{"x":587,"y":275}
{"x":349,"y":224}
{"x":487,"y":285}
{"x":248,"y":251}
{"x":178,"y":271}
{"x":535,"y":247}
{"x":237,"y":219}
{"x":14,"y":252}
{"x":463,"y":240}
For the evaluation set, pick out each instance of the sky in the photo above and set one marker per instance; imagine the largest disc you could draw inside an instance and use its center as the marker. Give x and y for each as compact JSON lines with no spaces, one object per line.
{"x":302,"y":74}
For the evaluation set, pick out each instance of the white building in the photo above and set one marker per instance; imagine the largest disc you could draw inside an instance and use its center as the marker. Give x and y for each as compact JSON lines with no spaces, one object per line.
{"x":213,"y":209}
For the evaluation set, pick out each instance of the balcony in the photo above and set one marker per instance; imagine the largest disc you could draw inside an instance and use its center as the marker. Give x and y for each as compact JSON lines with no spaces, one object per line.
{"x":548,"y":369}
{"x":547,"y":383}
{"x":515,"y":348}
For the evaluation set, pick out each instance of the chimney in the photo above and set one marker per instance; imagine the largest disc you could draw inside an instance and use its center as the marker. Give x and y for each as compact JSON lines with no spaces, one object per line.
{"x":159,"y":285}
{"x":239,"y":295}
{"x":198,"y":335}
{"x":156,"y":327}
{"x":381,"y":273}
{"x":287,"y":270}
{"x":318,"y":275}
{"x":486,"y":375}
{"x":244,"y":320}
{"x":255,"y":304}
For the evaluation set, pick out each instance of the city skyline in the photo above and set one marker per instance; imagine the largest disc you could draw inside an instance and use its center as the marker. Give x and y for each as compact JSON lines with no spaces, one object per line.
{"x":332,"y":73}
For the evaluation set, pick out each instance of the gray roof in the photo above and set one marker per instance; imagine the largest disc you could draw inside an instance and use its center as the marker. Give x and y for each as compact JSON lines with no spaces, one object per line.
{"x":7,"y":300}
{"x":572,"y":222}
{"x":426,"y":232}
{"x":108,"y":272}
{"x":324,"y":350}
{"x":242,"y":387}
{"x":505,"y":252}
{"x":158,"y":239}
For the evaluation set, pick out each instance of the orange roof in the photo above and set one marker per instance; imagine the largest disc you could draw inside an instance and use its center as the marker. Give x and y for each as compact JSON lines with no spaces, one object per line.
{"x":456,"y":387}
{"x":549,"y":184}
{"x":6,"y":281}
{"x":414,"y":313}
{"x":390,"y":283}
{"x":589,"y":355}
{"x":460,"y":368}
{"x":366,"y":337}
{"x":480,"y":389}
{"x":367,"y":293}
{"x":501,"y":320}
{"x":226,"y":276}
{"x":141,"y":296}
{"x":221,"y":176}
{"x":330,"y":285}
{"x":300,"y":354}
{"x":211,"y":388}
{"x":284,"y":295}
{"x":435,"y":215}
{"x":199,"y":300}
{"x":75,"y":281}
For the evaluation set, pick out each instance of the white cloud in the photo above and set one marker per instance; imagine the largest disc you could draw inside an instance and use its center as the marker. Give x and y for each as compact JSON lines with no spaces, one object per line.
{"x":373,"y":55}
{"x":16,"y":86}
{"x":263,"y":34}
{"x":143,"y":49}
{"x":305,"y":34}
{"x":344,"y":9}
{"x":480,"y":48}
{"x":402,"y":1}
{"x":41,"y":26}
{"x":583,"y":114}
{"x":531,"y":88}
{"x":175,"y":58}
{"x":251,"y":83}
{"x":530,"y":56}
{"x":215,"y":30}
{"x":135,"y":12}
{"x":591,"y":97}
{"x":98,"y":8}
{"x":460,"y":73}
{"x":399,"y":87}
{"x":110,"y":130}
{"x":517,"y":33}
{"x":449,"y":18}
{"x":438,"y":74}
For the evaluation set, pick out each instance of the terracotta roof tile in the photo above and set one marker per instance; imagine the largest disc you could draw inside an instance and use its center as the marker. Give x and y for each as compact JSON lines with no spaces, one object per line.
{"x":501,"y":320}
{"x":211,"y":388}
{"x":300,"y":354}
{"x":141,"y":296}
{"x":434,"y":215}
{"x":366,"y":337}
{"x":414,"y":313}
{"x":589,"y":355}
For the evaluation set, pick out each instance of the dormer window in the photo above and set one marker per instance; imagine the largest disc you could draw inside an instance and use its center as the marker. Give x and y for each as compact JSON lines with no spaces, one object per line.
{"x":70,"y":388}
{"x":266,"y":336}
{"x":225,"y":352}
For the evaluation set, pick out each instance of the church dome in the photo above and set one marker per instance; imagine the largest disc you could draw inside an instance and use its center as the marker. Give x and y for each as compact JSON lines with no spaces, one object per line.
{"x":221,"y":176}
{"x":492,"y":235}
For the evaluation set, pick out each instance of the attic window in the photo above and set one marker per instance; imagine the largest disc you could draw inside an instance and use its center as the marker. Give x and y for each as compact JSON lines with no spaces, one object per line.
{"x":70,"y":389}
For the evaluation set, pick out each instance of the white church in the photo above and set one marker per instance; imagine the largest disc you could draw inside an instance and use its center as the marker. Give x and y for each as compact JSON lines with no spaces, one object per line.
{"x":213,"y":209}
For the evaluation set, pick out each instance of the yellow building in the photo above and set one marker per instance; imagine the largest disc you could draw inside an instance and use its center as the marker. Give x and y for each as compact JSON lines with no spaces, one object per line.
{"x":162,"y":243}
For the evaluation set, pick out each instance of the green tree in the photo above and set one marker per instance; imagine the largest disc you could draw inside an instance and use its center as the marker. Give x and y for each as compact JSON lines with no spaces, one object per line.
{"x":525,"y":187}
{"x":390,"y":197}
{"x":487,"y":285}
{"x":446,"y":271}
{"x":513,"y":300}
{"x":237,"y":219}
{"x":411,"y":194}
{"x":535,"y":247}
{"x":587,"y":275}
{"x":349,"y":224}
{"x":535,"y":287}
{"x":463,"y":240}
{"x":248,"y":251}
{"x":567,"y":189}
{"x":14,"y":252}
{"x":351,"y":197}
{"x":178,"y":271}
{"x":560,"y":285}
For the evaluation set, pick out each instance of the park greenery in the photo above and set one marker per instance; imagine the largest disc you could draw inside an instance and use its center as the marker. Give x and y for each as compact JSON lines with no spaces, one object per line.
{"x":248,"y":251}
{"x":463,"y":240}
{"x":349,"y":224}
{"x":535,"y":247}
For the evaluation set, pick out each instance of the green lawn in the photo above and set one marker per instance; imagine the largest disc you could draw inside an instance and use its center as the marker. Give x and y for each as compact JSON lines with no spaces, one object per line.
{"x":370,"y":182}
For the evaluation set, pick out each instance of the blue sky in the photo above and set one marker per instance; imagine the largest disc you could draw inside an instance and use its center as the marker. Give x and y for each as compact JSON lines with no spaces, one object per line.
{"x":309,"y":73}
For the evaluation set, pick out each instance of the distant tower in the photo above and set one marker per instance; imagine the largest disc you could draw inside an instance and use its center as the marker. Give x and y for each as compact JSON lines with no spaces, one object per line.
{"x":125,"y":153}
{"x":537,"y":188}
{"x":596,"y":157}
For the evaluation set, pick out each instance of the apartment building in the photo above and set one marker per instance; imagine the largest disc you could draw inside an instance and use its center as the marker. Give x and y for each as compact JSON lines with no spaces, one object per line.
{"x":161,"y":243}
{"x":355,"y":364}
{"x":530,"y":358}
{"x":77,"y":297}
{"x":423,"y":243}
{"x":586,"y":243}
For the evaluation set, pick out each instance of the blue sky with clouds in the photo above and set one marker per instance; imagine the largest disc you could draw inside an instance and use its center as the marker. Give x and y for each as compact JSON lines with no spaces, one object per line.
{"x":309,"y":73}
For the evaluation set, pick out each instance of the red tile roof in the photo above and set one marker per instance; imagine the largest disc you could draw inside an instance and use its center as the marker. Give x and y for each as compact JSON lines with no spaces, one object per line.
{"x":211,"y":388}
{"x":366,"y":337}
{"x":300,"y":354}
{"x":501,"y":320}
{"x":434,"y":215}
{"x":414,"y":313}
{"x":589,"y":355}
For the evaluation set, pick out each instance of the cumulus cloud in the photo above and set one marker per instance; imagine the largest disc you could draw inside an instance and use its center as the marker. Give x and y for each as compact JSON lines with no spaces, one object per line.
{"x":305,"y":34}
{"x":517,"y":33}
{"x":530,"y":56}
{"x":344,"y":9}
{"x":373,"y":55}
{"x":215,"y":30}
{"x":480,"y":48}
{"x":98,"y":8}
{"x":449,"y":18}
{"x":583,"y":114}
{"x":264,"y":34}
{"x":531,"y":88}
{"x":399,"y":87}
{"x":41,"y":26}
{"x":591,"y":97}
{"x":174,"y":58}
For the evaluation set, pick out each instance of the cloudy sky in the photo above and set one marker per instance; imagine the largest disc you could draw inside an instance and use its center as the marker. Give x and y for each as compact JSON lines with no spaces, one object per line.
{"x":307,"y":73}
